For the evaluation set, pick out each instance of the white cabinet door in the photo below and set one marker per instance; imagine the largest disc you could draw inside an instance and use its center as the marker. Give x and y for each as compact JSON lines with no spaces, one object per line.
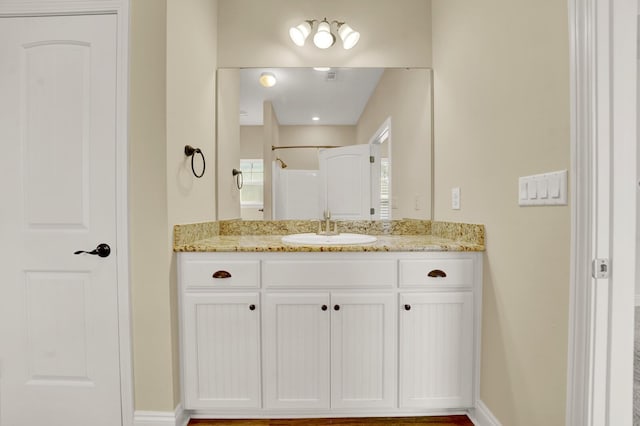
{"x":296,"y":350}
{"x":221,"y":350}
{"x":436,"y":350}
{"x":363,"y":350}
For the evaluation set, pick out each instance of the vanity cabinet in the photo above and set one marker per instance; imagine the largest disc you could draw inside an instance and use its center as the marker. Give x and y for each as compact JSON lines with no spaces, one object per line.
{"x":330,"y":350}
{"x":313,"y":333}
{"x":221,"y":350}
{"x":439,"y":378}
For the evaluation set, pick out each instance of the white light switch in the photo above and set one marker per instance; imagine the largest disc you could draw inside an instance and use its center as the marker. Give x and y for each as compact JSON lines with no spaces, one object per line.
{"x":455,"y":198}
{"x":543,"y":190}
{"x":524,"y":193}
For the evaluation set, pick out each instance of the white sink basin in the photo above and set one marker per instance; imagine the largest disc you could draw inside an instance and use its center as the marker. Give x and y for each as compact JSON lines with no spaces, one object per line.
{"x":328,"y":240}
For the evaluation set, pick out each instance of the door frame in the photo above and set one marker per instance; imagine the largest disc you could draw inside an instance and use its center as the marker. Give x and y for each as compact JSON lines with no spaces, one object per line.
{"x":603,"y":209}
{"x":120,"y":8}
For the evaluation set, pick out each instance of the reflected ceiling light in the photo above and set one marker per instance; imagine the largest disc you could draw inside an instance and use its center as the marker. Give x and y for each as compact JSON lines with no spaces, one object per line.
{"x":324,"y":36}
{"x":267,"y":79}
{"x":324,"y":69}
{"x":299,"y":33}
{"x":315,"y":118}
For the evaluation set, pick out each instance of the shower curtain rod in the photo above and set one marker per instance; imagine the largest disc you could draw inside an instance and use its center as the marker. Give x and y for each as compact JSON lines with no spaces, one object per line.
{"x":273,"y":148}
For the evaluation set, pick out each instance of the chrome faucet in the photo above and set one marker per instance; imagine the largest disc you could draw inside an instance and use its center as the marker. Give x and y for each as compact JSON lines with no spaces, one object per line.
{"x":327,"y":226}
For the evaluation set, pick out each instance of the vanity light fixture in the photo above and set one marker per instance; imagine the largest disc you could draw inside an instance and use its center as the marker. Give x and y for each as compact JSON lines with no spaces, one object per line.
{"x":324,"y":36}
{"x":299,"y":33}
{"x":267,"y":79}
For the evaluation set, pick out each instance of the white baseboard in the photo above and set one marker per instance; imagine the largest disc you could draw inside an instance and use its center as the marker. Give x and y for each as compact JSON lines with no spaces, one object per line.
{"x":161,"y":418}
{"x":482,"y":416}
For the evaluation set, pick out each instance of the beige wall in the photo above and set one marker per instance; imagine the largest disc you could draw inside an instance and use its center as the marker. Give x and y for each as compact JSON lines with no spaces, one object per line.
{"x":307,"y":158}
{"x":271,"y":137}
{"x":405,"y":97}
{"x":228,"y":122}
{"x":172,"y":103}
{"x":150,"y":257}
{"x":255,"y":33}
{"x":251,"y":141}
{"x":501,"y":84}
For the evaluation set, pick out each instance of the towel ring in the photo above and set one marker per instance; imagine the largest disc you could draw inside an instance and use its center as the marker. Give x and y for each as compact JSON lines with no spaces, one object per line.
{"x":239,"y":178}
{"x":190,"y":151}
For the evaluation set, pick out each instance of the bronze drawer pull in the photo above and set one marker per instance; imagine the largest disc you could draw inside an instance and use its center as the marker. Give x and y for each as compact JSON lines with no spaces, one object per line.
{"x":221,"y":274}
{"x":437,"y":273}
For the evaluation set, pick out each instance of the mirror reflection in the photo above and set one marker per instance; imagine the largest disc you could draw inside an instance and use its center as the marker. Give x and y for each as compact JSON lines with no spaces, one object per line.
{"x":312,"y":140}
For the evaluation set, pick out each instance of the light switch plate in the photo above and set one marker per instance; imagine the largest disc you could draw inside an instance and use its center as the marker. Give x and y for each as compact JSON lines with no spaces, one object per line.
{"x":455,"y":198}
{"x":547,"y":189}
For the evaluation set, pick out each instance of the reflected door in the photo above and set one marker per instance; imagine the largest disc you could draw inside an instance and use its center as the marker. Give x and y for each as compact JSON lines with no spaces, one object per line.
{"x":58,"y":311}
{"x":346,"y":181}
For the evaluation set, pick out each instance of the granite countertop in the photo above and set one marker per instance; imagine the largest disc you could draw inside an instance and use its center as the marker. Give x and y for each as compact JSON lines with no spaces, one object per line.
{"x":265,"y":236}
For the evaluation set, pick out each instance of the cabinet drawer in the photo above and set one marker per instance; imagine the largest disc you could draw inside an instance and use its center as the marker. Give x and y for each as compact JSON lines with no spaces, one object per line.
{"x":448,"y":272}
{"x":221,"y":274}
{"x":329,"y":273}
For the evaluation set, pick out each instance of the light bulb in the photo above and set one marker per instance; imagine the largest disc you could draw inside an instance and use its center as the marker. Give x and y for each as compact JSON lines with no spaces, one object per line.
{"x":348,"y":36}
{"x":300,"y":33}
{"x":323,"y":38}
{"x":267,"y":79}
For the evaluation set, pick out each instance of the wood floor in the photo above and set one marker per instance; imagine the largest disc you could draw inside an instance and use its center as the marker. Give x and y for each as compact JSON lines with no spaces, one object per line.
{"x":395,"y":421}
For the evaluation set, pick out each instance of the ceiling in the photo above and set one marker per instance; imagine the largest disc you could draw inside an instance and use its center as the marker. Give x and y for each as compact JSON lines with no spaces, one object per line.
{"x":337,"y":96}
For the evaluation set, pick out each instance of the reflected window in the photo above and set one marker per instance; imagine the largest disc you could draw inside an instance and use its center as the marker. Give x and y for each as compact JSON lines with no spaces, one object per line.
{"x":252,"y":190}
{"x":385,"y":202}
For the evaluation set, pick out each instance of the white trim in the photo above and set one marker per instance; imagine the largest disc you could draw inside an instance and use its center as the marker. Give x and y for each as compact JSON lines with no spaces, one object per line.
{"x":161,"y":418}
{"x":321,"y":414}
{"x":482,"y":416}
{"x":121,"y":9}
{"x":603,"y":210}
{"x":622,"y":116}
{"x":582,"y":100}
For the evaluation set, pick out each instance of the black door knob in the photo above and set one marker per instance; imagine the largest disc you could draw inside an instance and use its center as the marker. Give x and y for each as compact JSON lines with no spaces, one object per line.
{"x":336,"y":308}
{"x":407,"y":307}
{"x":103,"y":250}
{"x":252,"y":307}
{"x":324,"y":307}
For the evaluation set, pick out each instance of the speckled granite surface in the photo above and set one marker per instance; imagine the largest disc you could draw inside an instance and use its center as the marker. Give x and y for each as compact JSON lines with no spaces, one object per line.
{"x":265,"y":236}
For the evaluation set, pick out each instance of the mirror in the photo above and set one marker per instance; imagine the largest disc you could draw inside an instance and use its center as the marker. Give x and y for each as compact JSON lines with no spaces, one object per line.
{"x":271,"y":135}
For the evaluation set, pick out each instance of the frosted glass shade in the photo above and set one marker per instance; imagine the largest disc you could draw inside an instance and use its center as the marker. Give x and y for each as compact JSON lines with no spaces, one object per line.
{"x":267,"y":79}
{"x":323,"y":38}
{"x":348,"y":36}
{"x":300,"y":33}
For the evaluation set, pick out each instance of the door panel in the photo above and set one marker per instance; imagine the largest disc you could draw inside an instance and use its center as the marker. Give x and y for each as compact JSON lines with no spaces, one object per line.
{"x":58,"y":311}
{"x":436,"y":355}
{"x":296,"y":351}
{"x":363,"y":350}
{"x":346,"y":183}
{"x":222,"y":350}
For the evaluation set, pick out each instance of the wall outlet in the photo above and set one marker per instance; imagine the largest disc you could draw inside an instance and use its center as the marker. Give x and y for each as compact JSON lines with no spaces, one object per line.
{"x":455,"y":198}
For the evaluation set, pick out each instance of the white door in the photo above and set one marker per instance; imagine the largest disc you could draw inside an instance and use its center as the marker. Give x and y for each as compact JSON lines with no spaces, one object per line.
{"x":296,"y":350}
{"x":363,"y":348}
{"x":58,"y":311}
{"x":221,"y":351}
{"x":347,"y":183}
{"x":436,"y":350}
